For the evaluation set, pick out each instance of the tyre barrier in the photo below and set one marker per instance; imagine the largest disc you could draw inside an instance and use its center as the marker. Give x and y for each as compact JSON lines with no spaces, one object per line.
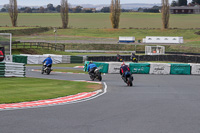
{"x":148,"y":68}
{"x":38,"y":59}
{"x":173,"y":58}
{"x":10,"y":69}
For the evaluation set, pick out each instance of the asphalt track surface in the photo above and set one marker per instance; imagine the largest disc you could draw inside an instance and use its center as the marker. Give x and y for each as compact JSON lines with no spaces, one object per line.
{"x":155,"y":104}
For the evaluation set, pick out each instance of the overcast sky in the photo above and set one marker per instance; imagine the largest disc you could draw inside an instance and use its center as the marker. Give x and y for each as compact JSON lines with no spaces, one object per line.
{"x":94,"y":2}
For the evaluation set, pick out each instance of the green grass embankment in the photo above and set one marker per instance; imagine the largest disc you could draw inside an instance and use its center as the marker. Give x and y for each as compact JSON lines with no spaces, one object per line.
{"x":15,"y":90}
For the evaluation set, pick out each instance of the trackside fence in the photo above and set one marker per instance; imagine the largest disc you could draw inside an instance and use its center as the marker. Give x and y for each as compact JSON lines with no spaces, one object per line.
{"x":171,"y":58}
{"x":41,"y":45}
{"x":38,"y":59}
{"x":149,"y":68}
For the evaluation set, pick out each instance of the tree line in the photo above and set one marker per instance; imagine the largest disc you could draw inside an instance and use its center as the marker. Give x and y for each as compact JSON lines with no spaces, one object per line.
{"x":56,"y":9}
{"x":184,"y":3}
{"x":49,"y":9}
{"x":115,"y":12}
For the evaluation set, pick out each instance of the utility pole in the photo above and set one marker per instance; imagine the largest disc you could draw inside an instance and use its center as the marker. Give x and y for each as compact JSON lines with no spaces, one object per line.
{"x":55,"y":33}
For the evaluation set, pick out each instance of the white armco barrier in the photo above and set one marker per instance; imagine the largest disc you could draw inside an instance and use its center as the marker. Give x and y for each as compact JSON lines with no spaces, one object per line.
{"x":114,"y":67}
{"x":55,"y":58}
{"x":195,"y":68}
{"x":33,"y":59}
{"x":159,"y":68}
{"x":66,"y":58}
{"x":159,"y":39}
{"x":126,"y":39}
{"x":14,"y":69}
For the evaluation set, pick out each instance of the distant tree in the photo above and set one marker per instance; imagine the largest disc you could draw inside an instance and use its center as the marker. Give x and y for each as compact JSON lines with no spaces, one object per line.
{"x":64,"y":11}
{"x":87,"y":11}
{"x":3,"y":10}
{"x":182,"y":2}
{"x":6,"y":6}
{"x":41,"y":9}
{"x":22,"y":9}
{"x":78,"y":9}
{"x":140,"y":9}
{"x":115,"y":11}
{"x":50,"y":7}
{"x":13,"y":12}
{"x":165,"y":14}
{"x":28,"y":10}
{"x":58,"y":8}
{"x":196,"y":1}
{"x":174,"y":3}
{"x":152,"y":10}
{"x":105,"y":9}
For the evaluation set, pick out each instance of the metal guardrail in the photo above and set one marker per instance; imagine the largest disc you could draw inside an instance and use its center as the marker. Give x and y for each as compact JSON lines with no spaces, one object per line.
{"x":56,"y":47}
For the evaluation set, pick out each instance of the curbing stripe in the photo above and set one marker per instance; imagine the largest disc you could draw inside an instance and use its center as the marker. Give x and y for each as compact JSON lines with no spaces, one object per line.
{"x":81,"y":97}
{"x":79,"y":67}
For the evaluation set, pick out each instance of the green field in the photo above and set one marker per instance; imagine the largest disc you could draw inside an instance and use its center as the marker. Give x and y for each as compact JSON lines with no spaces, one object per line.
{"x":111,"y":34}
{"x":30,"y":89}
{"x":102,"y":20}
{"x":97,"y":27}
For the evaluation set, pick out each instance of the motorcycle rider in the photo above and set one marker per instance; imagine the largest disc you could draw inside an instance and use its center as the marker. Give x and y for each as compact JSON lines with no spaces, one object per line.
{"x":48,"y":62}
{"x":1,"y":55}
{"x":124,"y":71}
{"x":91,"y":68}
{"x":119,"y":58}
{"x":133,"y":58}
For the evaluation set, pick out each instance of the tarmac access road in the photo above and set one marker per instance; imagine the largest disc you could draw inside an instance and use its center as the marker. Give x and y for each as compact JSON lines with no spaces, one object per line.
{"x":99,"y":41}
{"x":155,"y":104}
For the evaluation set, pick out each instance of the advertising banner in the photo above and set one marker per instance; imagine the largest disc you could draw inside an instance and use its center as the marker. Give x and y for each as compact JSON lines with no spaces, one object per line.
{"x":114,"y":67}
{"x":182,"y":69}
{"x":159,"y":68}
{"x":102,"y":66}
{"x":140,"y":68}
{"x":195,"y":68}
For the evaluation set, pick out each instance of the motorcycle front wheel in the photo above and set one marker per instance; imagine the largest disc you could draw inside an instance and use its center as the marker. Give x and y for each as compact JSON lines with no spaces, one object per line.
{"x":100,"y":77}
{"x":91,"y":77}
{"x":42,"y":71}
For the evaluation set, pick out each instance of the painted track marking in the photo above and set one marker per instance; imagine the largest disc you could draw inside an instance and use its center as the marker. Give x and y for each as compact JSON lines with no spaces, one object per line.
{"x":81,"y":97}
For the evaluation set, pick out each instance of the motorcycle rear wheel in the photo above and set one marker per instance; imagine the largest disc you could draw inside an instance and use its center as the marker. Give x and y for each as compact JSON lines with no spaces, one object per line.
{"x":130,"y":82}
{"x":91,"y":77}
{"x":48,"y":71}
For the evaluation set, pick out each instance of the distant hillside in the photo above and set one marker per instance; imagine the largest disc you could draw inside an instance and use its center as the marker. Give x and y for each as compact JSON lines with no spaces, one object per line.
{"x":99,"y":7}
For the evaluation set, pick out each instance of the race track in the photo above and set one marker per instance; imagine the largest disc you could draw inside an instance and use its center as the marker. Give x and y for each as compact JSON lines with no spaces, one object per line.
{"x":155,"y":104}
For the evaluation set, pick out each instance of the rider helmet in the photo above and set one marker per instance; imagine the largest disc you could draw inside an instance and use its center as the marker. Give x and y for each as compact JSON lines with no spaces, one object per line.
{"x":91,"y":62}
{"x":123,"y":64}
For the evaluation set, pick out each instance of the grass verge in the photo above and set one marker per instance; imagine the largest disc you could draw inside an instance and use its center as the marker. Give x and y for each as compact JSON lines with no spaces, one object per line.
{"x":15,"y":90}
{"x":59,"y":65}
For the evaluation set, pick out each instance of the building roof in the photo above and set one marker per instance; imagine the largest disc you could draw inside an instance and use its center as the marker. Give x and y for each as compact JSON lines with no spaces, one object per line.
{"x":185,"y":7}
